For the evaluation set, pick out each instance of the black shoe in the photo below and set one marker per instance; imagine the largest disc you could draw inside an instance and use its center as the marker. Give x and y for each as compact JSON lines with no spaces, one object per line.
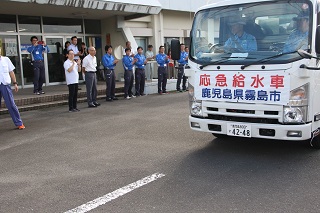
{"x":79,"y":88}
{"x":143,"y":94}
{"x":96,"y":103}
{"x":91,"y":105}
{"x":41,"y":92}
{"x":179,"y":90}
{"x":109,"y":99}
{"x":77,"y":110}
{"x":115,"y":99}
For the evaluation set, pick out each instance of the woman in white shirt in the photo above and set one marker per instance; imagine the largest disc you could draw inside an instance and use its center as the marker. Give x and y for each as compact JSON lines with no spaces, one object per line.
{"x":71,"y":69}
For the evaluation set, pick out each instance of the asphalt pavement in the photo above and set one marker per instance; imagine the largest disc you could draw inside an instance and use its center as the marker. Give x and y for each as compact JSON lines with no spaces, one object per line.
{"x":63,"y":160}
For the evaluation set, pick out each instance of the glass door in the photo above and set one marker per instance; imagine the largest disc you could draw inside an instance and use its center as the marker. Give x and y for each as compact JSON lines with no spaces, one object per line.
{"x":55,"y":59}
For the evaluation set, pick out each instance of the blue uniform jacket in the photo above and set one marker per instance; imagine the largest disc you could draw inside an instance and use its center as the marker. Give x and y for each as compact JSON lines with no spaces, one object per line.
{"x":297,"y":40}
{"x":141,"y":59}
{"x":246,"y":41}
{"x":127,"y":62}
{"x":108,"y":61}
{"x":183,"y":56}
{"x":161,"y":59}
{"x":37,"y":51}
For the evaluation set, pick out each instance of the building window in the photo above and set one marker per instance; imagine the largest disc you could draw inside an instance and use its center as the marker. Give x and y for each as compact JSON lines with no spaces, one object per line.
{"x":142,"y":42}
{"x":187,"y":41}
{"x":62,"y":25}
{"x":8,"y":23}
{"x":29,"y":24}
{"x":92,"y":26}
{"x":95,"y":41}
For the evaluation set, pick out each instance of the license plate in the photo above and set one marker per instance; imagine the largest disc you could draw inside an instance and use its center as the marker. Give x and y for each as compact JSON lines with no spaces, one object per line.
{"x":239,"y":130}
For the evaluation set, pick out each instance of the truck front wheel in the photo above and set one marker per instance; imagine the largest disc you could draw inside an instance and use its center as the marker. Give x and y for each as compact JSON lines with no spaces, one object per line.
{"x":315,"y":143}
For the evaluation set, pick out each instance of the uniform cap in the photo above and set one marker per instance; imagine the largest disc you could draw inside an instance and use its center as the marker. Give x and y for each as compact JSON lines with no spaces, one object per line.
{"x":236,"y":20}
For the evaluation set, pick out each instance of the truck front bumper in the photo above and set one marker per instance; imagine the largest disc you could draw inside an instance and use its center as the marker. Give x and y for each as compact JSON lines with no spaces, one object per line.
{"x":258,"y":130}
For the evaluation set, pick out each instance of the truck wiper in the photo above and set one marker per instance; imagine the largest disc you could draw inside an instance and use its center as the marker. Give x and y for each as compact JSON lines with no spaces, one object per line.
{"x":213,"y":63}
{"x":266,"y":59}
{"x":224,"y":59}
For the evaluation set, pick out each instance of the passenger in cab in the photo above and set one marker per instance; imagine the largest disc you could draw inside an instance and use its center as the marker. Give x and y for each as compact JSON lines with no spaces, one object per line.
{"x":298,"y":39}
{"x":240,"y":40}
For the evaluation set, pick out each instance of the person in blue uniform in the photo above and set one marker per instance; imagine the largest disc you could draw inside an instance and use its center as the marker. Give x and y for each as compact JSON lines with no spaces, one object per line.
{"x":6,"y":76}
{"x":140,"y":74}
{"x":37,"y":50}
{"x":298,"y":39}
{"x":109,"y":62}
{"x":182,"y":62}
{"x":128,"y":63}
{"x":162,"y":60}
{"x":240,"y":40}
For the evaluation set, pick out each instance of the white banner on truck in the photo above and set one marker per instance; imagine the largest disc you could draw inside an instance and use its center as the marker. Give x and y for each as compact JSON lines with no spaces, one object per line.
{"x":267,"y":87}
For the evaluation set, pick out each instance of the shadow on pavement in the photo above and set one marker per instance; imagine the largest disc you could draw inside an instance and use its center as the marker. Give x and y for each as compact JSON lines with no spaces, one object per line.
{"x":237,"y":174}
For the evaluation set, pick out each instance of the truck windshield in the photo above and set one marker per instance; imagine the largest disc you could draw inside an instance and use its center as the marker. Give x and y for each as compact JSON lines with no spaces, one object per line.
{"x":246,"y":33}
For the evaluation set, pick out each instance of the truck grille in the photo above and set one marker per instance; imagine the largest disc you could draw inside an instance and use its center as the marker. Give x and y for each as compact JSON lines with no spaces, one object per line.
{"x":243,"y":119}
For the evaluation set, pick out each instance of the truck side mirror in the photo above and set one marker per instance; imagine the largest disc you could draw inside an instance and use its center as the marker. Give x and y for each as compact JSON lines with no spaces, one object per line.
{"x":318,"y":39}
{"x":175,"y":49}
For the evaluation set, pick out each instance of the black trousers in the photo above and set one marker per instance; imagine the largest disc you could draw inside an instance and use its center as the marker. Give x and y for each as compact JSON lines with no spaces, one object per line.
{"x":128,"y":83}
{"x":162,"y":79}
{"x":111,"y":83}
{"x":140,"y":76}
{"x":182,"y":77}
{"x":73,"y":96}
{"x":38,"y":76}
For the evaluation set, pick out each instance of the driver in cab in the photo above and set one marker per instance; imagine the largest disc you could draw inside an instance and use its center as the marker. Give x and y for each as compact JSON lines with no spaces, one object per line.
{"x":240,"y":40}
{"x":298,"y":39}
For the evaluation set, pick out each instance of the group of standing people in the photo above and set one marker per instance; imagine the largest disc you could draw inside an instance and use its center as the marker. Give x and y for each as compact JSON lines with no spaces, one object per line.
{"x":134,"y":63}
{"x":76,"y":61}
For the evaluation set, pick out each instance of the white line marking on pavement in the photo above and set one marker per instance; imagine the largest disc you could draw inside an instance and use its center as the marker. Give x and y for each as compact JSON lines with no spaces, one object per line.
{"x":115,"y":194}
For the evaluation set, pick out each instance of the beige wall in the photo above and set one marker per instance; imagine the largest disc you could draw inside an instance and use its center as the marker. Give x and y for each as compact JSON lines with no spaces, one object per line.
{"x":156,"y":28}
{"x":177,"y":20}
{"x":109,"y":25}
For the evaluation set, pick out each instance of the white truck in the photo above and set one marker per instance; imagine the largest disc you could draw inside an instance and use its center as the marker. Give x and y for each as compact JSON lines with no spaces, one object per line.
{"x":254,"y":70}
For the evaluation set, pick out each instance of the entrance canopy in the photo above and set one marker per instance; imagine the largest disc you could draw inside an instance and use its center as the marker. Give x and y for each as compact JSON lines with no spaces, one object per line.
{"x":127,"y":6}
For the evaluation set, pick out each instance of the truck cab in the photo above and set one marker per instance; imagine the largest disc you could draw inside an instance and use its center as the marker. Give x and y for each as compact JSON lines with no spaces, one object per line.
{"x":254,"y":70}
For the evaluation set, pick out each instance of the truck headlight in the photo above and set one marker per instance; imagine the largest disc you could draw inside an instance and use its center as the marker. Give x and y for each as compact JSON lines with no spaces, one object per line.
{"x":196,"y":108}
{"x":195,"y":105}
{"x":294,"y":114}
{"x":297,"y":109}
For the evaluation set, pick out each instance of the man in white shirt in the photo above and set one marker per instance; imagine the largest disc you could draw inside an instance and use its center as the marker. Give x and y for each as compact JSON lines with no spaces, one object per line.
{"x":6,"y":75}
{"x":71,"y":69}
{"x":74,"y":46}
{"x":133,"y":51}
{"x":149,"y":67}
{"x":89,"y":67}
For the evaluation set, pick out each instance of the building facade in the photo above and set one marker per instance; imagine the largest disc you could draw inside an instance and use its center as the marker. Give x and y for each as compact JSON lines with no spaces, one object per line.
{"x":95,"y":22}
